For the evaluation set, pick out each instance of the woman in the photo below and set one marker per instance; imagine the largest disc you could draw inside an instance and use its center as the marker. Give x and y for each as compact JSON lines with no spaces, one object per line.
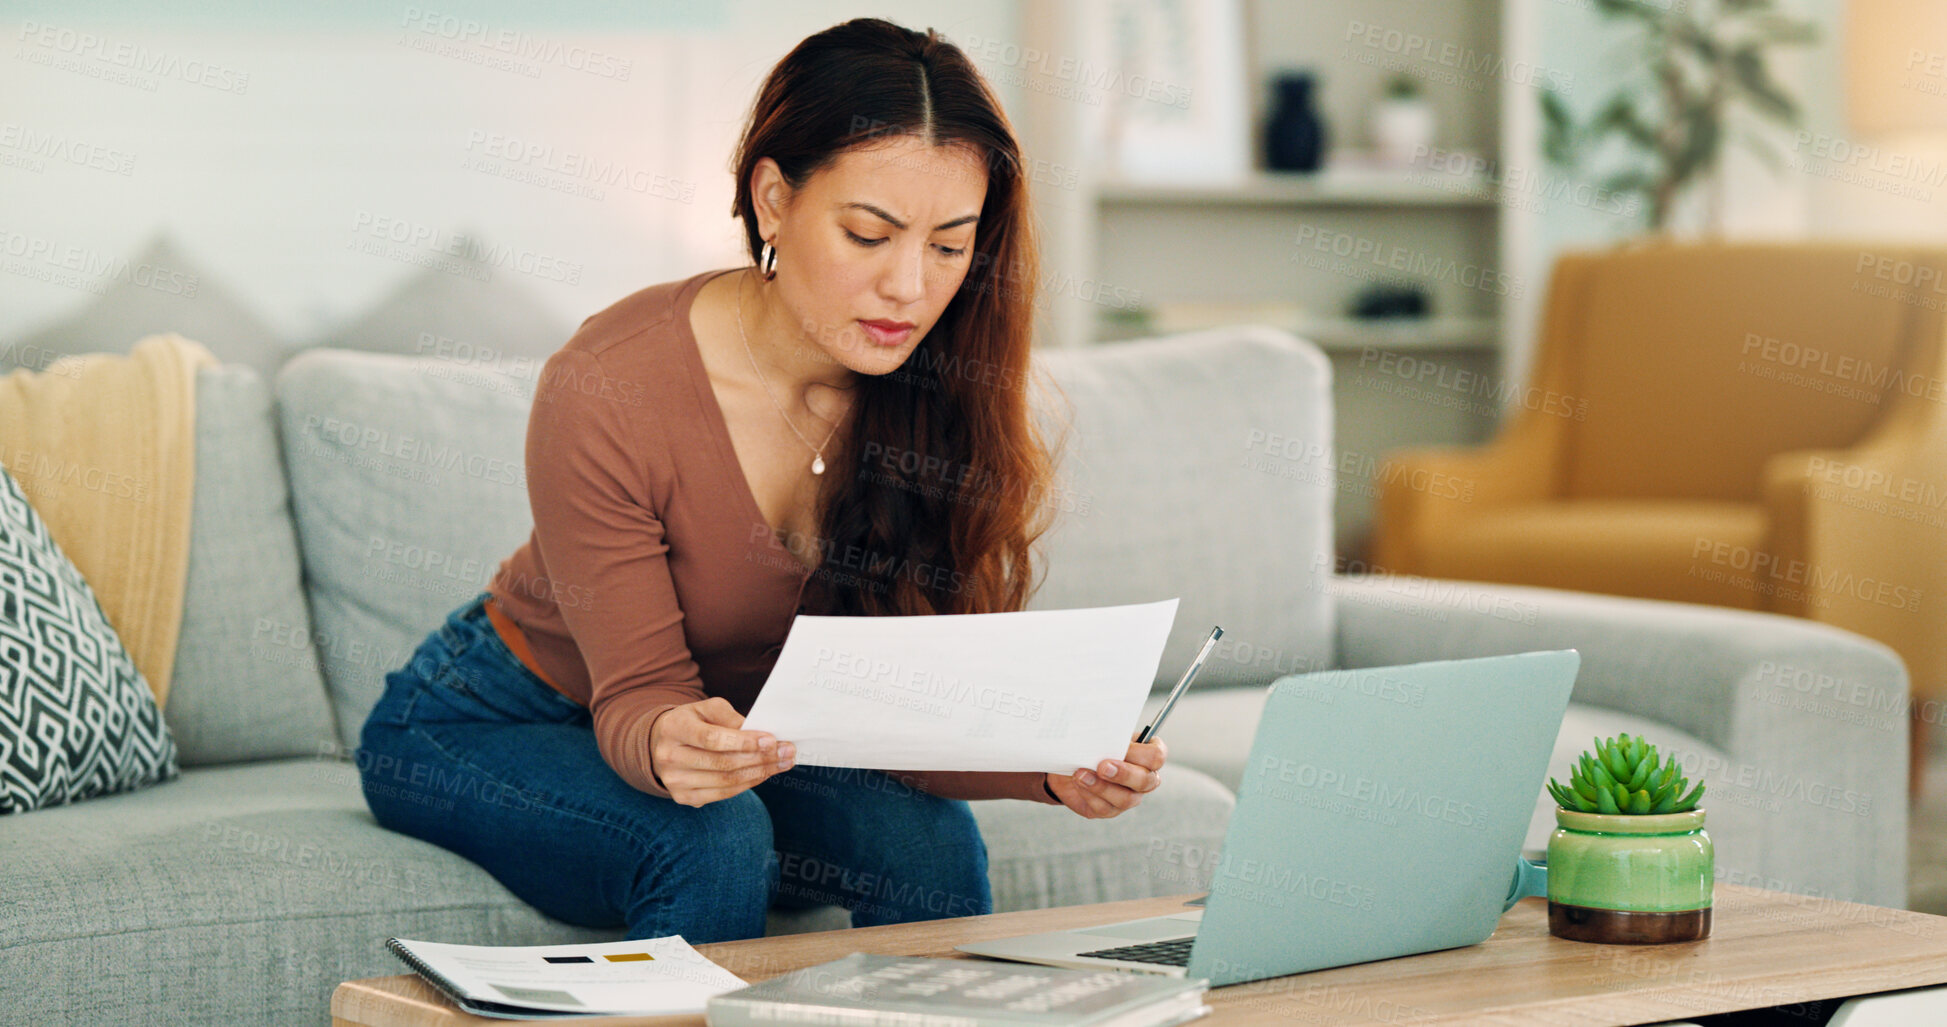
{"x":841,"y":429}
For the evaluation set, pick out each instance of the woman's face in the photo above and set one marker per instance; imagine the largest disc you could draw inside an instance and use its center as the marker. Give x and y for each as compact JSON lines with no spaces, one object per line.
{"x":873,"y":247}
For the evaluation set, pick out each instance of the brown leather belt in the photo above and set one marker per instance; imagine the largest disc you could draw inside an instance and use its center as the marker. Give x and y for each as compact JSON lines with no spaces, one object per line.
{"x":510,"y":633}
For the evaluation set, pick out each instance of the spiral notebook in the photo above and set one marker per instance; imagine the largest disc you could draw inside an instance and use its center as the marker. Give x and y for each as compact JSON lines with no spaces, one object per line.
{"x":649,"y":977}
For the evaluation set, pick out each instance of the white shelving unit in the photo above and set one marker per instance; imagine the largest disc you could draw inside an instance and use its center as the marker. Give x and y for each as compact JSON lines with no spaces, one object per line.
{"x":1308,"y":243}
{"x":1312,"y":240}
{"x":1437,"y":333}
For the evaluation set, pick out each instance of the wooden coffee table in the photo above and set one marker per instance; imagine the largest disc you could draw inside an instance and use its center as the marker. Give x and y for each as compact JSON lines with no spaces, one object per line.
{"x":1766,"y":949}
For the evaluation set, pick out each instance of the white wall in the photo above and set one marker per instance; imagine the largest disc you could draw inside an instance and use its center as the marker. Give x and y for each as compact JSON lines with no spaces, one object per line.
{"x":1864,"y":187}
{"x":270,"y":143}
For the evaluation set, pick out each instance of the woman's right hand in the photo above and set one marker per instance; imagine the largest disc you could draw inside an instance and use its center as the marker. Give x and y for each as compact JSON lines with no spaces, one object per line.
{"x":700,"y":755}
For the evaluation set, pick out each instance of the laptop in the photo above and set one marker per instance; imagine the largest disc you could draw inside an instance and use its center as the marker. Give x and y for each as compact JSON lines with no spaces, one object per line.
{"x":1381,"y":813}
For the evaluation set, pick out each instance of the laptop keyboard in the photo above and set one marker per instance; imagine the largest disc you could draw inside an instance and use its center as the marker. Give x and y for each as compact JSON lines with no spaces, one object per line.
{"x":1172,"y":952}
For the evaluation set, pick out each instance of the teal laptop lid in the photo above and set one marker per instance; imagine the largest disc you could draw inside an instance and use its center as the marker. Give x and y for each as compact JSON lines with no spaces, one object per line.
{"x":1381,"y":813}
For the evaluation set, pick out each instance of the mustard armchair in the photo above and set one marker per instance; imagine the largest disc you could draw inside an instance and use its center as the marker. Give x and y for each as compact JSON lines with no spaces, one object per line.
{"x":1761,"y":426}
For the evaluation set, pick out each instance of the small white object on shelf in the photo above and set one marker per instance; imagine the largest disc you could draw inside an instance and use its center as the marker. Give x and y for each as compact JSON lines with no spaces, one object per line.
{"x":1403,"y":122}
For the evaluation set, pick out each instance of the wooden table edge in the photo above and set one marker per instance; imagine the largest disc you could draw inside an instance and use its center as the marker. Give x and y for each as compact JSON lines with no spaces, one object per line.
{"x":761,"y":958}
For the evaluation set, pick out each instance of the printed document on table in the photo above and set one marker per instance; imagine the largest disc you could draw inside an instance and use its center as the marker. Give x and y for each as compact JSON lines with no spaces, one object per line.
{"x":1047,"y":690}
{"x":648,"y":976}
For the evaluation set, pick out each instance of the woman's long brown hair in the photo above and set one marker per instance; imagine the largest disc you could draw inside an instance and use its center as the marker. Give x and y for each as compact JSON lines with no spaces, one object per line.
{"x":946,"y":482}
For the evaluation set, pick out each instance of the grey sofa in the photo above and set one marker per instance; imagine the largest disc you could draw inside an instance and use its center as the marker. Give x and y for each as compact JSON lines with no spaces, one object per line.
{"x":339,"y":519}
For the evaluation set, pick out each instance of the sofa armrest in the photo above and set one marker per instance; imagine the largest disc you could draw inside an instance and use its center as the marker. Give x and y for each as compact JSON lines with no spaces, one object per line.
{"x":1785,"y":488}
{"x":1862,"y":530}
{"x":1812,"y":719}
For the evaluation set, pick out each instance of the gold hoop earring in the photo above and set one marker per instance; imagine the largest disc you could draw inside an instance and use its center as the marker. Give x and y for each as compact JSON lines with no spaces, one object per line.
{"x":767,"y":261}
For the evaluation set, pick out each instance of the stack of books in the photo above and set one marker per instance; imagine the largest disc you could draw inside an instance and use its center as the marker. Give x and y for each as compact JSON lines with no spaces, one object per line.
{"x":915,"y":991}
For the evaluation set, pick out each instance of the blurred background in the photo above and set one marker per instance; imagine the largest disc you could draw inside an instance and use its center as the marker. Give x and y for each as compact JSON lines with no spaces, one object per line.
{"x":1395,"y":180}
{"x":482,"y":175}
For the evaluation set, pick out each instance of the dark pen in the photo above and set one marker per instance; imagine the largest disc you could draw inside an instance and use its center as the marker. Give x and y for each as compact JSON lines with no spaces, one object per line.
{"x":1195,"y":665}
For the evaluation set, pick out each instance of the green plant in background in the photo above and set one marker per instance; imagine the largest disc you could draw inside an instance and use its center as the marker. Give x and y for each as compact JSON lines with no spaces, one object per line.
{"x":1672,"y":114}
{"x":1402,"y":87}
{"x":1625,"y":775}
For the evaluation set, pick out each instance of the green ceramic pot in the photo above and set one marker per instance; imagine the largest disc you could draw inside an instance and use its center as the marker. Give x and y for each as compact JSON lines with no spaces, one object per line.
{"x":1625,"y":879}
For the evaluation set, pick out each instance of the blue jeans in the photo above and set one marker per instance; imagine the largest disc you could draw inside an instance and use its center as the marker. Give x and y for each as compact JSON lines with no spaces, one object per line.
{"x":469,"y":750}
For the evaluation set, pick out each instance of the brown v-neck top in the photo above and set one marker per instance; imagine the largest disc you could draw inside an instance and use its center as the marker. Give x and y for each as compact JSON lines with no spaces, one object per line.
{"x":651,"y":578}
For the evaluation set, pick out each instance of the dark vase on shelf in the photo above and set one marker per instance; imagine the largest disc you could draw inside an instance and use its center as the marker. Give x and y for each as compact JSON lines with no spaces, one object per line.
{"x":1294,"y":138}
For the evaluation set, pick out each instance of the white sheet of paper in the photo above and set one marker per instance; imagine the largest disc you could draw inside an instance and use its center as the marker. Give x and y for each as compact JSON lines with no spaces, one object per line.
{"x":675,"y":979}
{"x":1049,"y":690}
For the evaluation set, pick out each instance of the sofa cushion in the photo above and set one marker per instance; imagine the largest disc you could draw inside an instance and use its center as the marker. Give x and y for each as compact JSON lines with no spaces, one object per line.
{"x":274,"y":874}
{"x":1747,"y":350}
{"x":409,"y":489}
{"x":179,"y":293}
{"x":238,"y":894}
{"x":246,"y":683}
{"x":1040,"y":856}
{"x":77,"y":719}
{"x":1687,"y":551}
{"x":1199,"y":467}
{"x":1211,"y":729}
{"x":409,"y":486}
{"x":497,"y":324}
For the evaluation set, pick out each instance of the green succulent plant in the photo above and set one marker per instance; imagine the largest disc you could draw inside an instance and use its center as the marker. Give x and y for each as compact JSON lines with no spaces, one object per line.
{"x":1625,"y":775}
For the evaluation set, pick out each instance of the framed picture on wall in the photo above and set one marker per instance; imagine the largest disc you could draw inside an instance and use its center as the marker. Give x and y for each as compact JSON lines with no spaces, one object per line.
{"x":1178,"y":103}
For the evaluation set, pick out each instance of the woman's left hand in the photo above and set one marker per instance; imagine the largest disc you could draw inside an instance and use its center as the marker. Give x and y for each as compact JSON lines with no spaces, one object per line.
{"x":1114,"y":785}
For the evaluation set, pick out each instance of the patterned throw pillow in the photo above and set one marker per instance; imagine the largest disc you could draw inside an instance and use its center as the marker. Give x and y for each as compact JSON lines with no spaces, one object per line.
{"x":77,"y":719}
